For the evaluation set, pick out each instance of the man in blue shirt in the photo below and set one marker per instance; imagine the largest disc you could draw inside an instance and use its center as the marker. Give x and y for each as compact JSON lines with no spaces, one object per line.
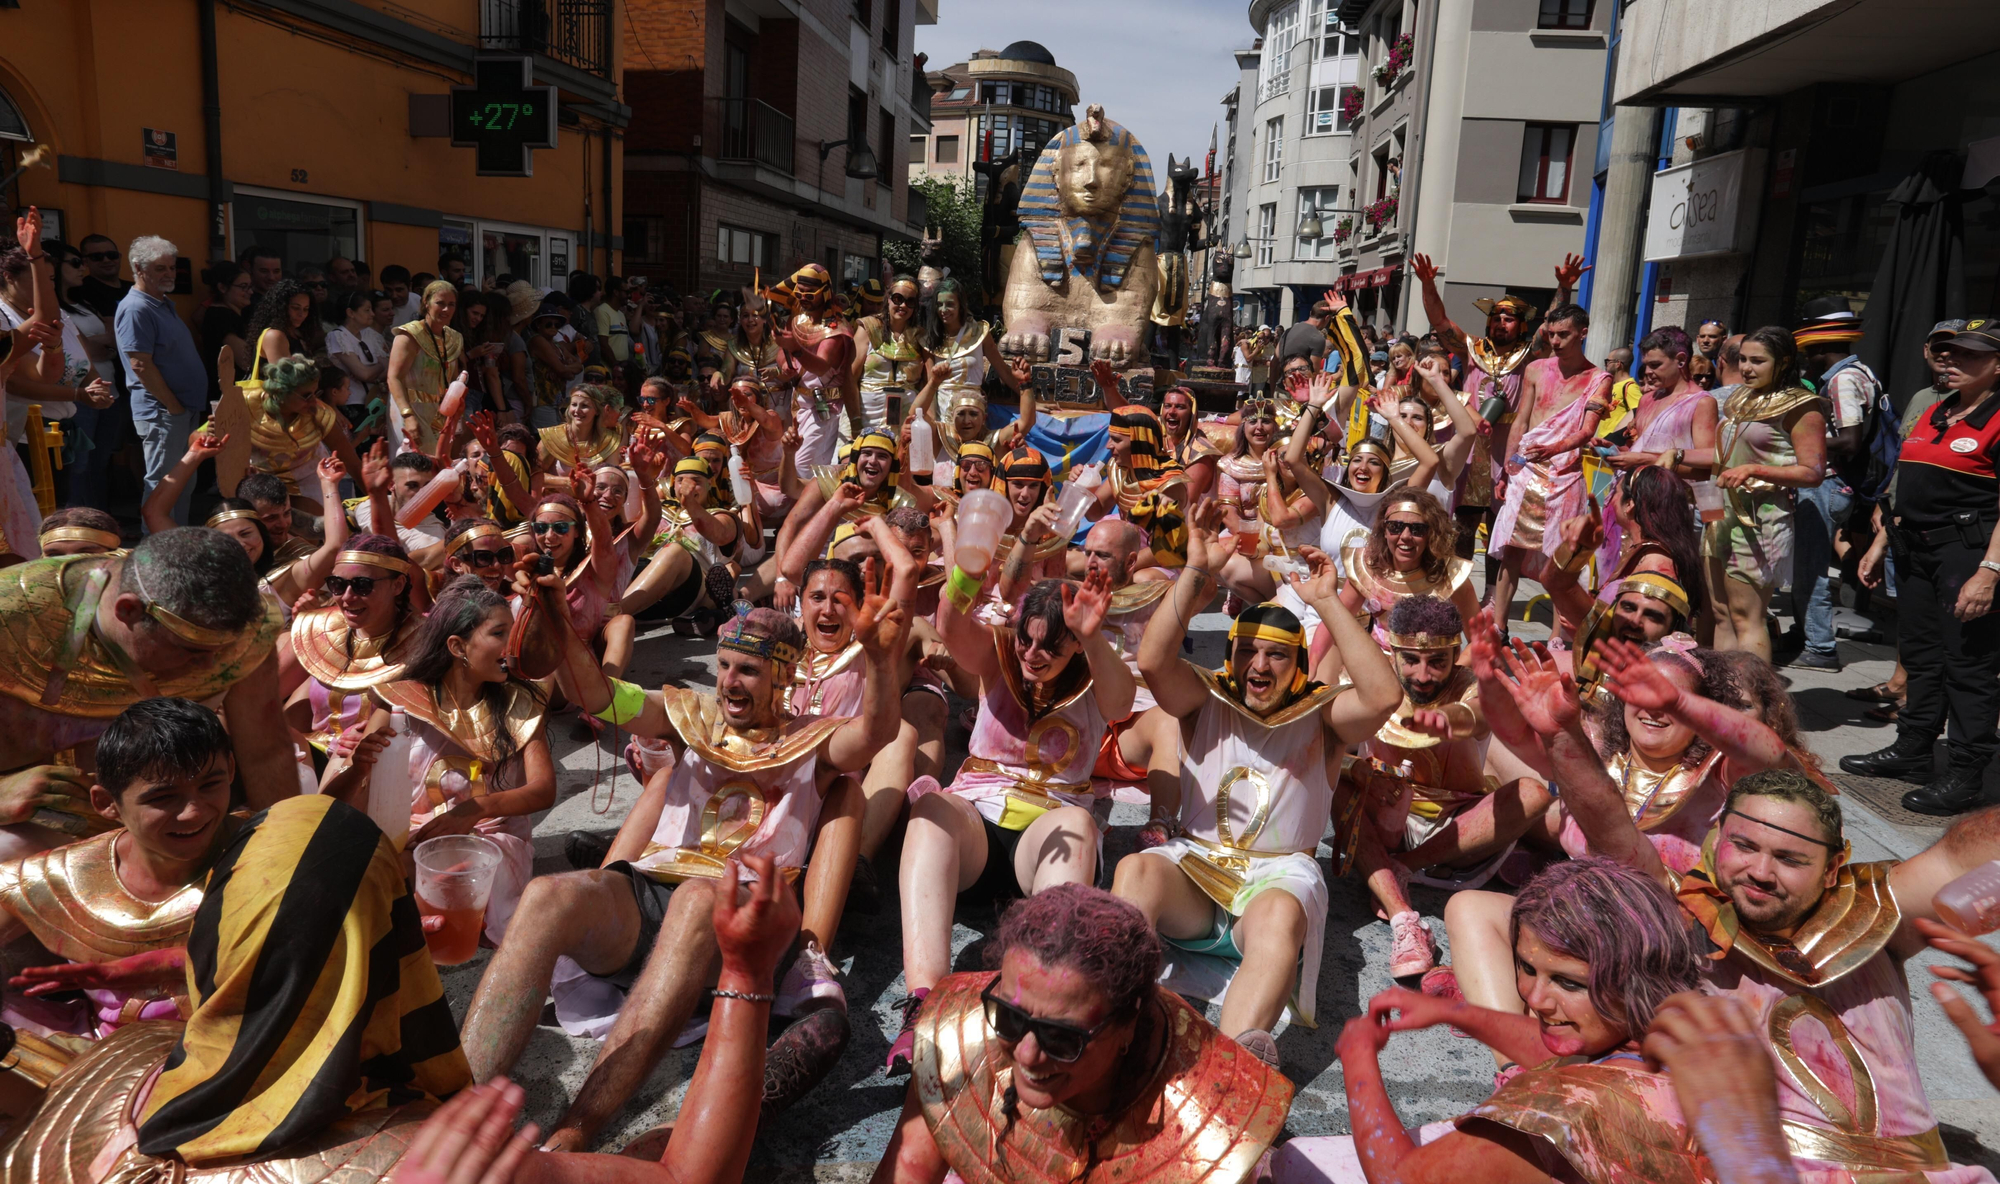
{"x":163,"y":368}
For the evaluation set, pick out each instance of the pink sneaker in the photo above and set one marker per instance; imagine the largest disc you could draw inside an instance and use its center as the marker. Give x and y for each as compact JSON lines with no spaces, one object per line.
{"x":1442,"y":983}
{"x":903,"y":1049}
{"x":1411,"y":951}
{"x":811,"y":979}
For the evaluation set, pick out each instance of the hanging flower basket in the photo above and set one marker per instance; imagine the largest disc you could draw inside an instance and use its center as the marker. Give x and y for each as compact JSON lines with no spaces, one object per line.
{"x":1350,"y":105}
{"x":1380,"y":214}
{"x":1343,"y":230}
{"x":1401,"y":51}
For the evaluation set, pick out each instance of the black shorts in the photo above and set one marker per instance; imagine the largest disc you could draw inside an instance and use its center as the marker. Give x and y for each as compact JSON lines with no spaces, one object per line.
{"x":651,"y":896}
{"x":997,"y":882}
{"x":678,"y":601}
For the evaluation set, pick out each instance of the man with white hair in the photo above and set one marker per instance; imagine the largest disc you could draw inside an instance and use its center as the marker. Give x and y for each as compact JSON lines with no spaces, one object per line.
{"x":163,"y":367}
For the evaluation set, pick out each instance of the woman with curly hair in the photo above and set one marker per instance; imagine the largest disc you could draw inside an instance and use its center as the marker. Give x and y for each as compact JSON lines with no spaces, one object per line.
{"x":285,"y":323}
{"x":1410,"y":551}
{"x":276,"y":423}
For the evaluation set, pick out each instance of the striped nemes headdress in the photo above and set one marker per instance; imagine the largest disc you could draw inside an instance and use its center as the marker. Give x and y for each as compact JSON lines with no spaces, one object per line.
{"x":1097,"y":249}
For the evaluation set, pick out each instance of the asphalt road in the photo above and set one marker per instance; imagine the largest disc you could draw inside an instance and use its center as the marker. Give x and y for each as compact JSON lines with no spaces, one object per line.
{"x":838,"y":1132}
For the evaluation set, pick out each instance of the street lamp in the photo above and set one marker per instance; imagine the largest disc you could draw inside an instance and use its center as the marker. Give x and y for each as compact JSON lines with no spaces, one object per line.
{"x":1312,"y":227}
{"x":1242,"y":249}
{"x":860,"y":161}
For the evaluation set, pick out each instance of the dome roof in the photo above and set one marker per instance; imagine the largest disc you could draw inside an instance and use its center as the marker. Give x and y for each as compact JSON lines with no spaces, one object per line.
{"x":1028,"y":51}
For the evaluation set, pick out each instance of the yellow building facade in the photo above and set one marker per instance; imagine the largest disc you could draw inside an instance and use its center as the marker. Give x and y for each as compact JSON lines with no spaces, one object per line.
{"x":317,"y":127}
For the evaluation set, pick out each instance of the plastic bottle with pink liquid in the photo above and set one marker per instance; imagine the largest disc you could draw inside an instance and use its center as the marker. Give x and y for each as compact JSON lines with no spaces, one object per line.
{"x":431,"y":496}
{"x":1972,"y":902}
{"x":454,"y":397}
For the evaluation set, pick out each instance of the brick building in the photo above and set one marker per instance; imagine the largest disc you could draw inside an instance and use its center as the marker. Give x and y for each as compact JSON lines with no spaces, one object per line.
{"x":750,"y":122}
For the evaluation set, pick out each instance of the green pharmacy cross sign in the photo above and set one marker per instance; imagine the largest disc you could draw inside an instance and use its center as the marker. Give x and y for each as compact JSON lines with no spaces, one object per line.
{"x":503,"y":117}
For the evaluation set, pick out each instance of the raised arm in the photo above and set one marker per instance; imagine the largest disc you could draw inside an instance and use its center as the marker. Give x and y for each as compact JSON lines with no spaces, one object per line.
{"x":1111,"y":679}
{"x":1483,"y":650}
{"x":1466,"y":428}
{"x":1174,"y":684}
{"x":1409,"y":440}
{"x":809,"y":543}
{"x":309,"y":573}
{"x":1304,"y":475}
{"x":158,"y":512}
{"x":882,"y":628}
{"x":1449,"y":334}
{"x":1359,"y":713}
{"x":583,"y":681}
{"x":603,"y":557}
{"x":1744,"y":740}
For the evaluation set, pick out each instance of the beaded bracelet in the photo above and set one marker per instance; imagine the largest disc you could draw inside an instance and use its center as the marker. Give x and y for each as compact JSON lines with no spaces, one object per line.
{"x":746,"y":996}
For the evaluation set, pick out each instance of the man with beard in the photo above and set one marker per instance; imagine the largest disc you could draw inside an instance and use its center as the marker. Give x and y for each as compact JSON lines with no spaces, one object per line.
{"x":634,"y":939}
{"x":1261,"y":745}
{"x":1183,"y":442}
{"x":1423,"y":767}
{"x":815,"y":338}
{"x":1493,"y":368}
{"x":1809,"y":943}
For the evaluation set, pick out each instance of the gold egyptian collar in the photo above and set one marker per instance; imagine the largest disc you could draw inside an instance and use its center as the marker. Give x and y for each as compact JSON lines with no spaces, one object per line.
{"x":1459,"y":687}
{"x":341,"y":659}
{"x":1855,"y":921}
{"x":472,"y":728}
{"x":1368,"y":581}
{"x":72,"y":900}
{"x":1069,"y":686}
{"x":1206,"y":1111}
{"x":1137,"y":596}
{"x":699,"y":720}
{"x":1054,"y":544}
{"x":1490,"y":359}
{"x":556,"y":445}
{"x":821,"y":665}
{"x":1317,"y":696}
{"x":1746,"y":405}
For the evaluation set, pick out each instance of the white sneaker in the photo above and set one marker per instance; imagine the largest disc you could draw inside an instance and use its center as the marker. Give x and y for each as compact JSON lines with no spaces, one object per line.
{"x":812,"y":977}
{"x":1411,"y":950}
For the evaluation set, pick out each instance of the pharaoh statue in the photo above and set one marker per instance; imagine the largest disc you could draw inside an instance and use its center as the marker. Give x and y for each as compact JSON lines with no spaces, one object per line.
{"x":1092,"y":217}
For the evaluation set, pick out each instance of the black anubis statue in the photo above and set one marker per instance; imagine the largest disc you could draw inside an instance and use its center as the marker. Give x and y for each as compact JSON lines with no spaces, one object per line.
{"x":1170,"y":306}
{"x":1214,"y":343}
{"x":1000,"y":221}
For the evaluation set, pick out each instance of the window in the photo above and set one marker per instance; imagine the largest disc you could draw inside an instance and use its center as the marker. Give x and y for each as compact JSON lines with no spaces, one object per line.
{"x":1000,"y":94}
{"x":645,"y":239}
{"x":864,"y":11}
{"x":857,"y":120}
{"x":1321,"y":202}
{"x":855,"y":270}
{"x":1325,"y":112}
{"x":1274,"y":66}
{"x":1334,"y":40}
{"x":300,"y":229}
{"x":1565,"y":14}
{"x":1267,"y":233}
{"x":958,"y":93}
{"x":751,"y":248}
{"x":1274,"y":147}
{"x":892,"y":25}
{"x":1545,"y":155}
{"x":885,"y":166}
{"x":1381,"y":157}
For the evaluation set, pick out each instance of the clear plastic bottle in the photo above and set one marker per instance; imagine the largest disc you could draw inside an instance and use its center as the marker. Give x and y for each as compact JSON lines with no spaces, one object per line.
{"x":389,"y":782}
{"x":1077,"y":495}
{"x":1972,"y":902}
{"x":923,"y":450}
{"x":739,"y":476}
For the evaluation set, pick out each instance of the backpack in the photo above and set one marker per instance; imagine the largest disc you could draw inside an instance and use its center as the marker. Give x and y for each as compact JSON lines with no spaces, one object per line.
{"x":1867,"y":472}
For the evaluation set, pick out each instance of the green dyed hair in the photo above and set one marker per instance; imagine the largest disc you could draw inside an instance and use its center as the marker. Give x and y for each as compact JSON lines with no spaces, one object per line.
{"x":286,"y":376}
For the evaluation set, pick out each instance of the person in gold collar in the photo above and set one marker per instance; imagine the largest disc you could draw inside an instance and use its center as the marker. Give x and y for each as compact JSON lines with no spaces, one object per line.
{"x":1183,"y":442}
{"x":752,"y":779}
{"x":867,"y":485}
{"x":1146,"y":488}
{"x":90,"y":635}
{"x":588,"y":435}
{"x":425,"y":356}
{"x":820,"y":345}
{"x":331,"y":656}
{"x":79,"y":530}
{"x":1809,"y":942}
{"x":117,"y":908}
{"x":1070,"y":1063}
{"x":275,"y":423}
{"x":1017,"y":819}
{"x":888,"y":359}
{"x":1260,"y":740}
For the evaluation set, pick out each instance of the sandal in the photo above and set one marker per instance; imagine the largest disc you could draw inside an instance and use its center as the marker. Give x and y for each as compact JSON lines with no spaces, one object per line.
{"x":1879,"y":693}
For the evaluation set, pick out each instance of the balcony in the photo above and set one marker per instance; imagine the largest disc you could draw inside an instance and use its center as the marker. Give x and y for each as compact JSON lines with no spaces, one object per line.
{"x":574,"y":32}
{"x":756,"y":131}
{"x":920,"y":90}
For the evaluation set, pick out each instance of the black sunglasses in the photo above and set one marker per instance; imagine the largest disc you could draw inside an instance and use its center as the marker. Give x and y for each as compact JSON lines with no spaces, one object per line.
{"x":561,"y":528}
{"x":1059,"y":1041}
{"x":100,"y":256}
{"x":483,"y":558}
{"x":899,"y":298}
{"x":1392,"y":528}
{"x":363,"y":586}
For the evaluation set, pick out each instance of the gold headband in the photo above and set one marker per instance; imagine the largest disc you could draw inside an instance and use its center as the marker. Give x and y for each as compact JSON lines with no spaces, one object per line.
{"x":1423,"y":641}
{"x":81,"y":534}
{"x":1371,"y":445}
{"x":517,"y":532}
{"x":484,"y":530}
{"x":760,"y":647}
{"x":1263,"y":632}
{"x":559,"y":508}
{"x":189,"y":632}
{"x":1408,"y":505}
{"x":371,"y":559}
{"x":221,"y":516}
{"x":1654,"y":586}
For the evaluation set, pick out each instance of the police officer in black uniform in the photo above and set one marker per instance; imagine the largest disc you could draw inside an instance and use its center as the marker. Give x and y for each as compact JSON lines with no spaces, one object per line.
{"x":1947,"y":553}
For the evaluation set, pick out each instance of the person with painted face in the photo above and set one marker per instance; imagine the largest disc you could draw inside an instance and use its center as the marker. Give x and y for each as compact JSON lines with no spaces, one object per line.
{"x":1234,"y":877}
{"x":1598,"y":952}
{"x":1069,"y":1055}
{"x":1810,"y":943}
{"x":1424,"y":766}
{"x":1017,"y":819}
{"x":753,"y":779}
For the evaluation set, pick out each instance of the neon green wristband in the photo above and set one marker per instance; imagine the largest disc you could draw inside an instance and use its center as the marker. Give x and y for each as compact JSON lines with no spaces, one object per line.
{"x":627,"y":701}
{"x":962,"y":589}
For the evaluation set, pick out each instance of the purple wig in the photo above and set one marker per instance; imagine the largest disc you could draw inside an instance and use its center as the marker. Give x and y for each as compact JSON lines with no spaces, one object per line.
{"x":1633,"y":935}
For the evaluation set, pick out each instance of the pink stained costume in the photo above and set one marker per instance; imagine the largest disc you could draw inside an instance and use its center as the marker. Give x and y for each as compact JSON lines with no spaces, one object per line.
{"x":1023,"y":760}
{"x":1671,"y":428}
{"x":1542,"y":494}
{"x":456,"y":755}
{"x":1675,"y":810}
{"x":831,"y":684}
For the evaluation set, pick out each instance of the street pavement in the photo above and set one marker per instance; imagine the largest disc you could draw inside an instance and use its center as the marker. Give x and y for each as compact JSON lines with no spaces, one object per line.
{"x":838,"y":1132}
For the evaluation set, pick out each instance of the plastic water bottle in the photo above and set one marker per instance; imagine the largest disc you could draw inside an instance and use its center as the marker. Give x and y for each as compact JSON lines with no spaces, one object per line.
{"x":1972,"y":902}
{"x":739,"y":476}
{"x":923,"y":451}
{"x":944,"y":475}
{"x":454,"y":397}
{"x":1077,"y":495}
{"x":389,"y":783}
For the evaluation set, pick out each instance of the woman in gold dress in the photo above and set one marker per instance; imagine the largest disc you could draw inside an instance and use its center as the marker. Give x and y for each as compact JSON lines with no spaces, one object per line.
{"x":963,"y":353}
{"x":424,"y":357}
{"x":587,"y":436}
{"x":276,"y":423}
{"x":888,"y":357}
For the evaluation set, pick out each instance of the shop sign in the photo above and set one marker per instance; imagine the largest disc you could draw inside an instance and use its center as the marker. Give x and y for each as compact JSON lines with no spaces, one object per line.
{"x":1698,"y":208}
{"x":503,"y":117}
{"x":161,"y":150}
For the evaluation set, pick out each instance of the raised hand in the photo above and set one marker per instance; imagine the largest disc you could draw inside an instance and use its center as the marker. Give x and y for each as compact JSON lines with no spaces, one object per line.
{"x":647,"y":459}
{"x":1484,"y":646}
{"x":1982,"y":1037}
{"x":1204,"y":525}
{"x":1422,"y":267}
{"x":1323,"y":584}
{"x":1107,"y":379}
{"x":481,"y":425}
{"x":1333,"y":299}
{"x":375,"y":469}
{"x":753,"y":935}
{"x":1569,"y":271}
{"x":1635,"y":678}
{"x":1041,"y":522}
{"x":848,"y":496}
{"x":206,"y":444}
{"x":583,"y":483}
{"x":1547,"y":699}
{"x":1084,"y":608}
{"x":878,"y":624}
{"x":331,"y":471}
{"x":28,"y":231}
{"x":1022,"y":368}
{"x":1583,"y":533}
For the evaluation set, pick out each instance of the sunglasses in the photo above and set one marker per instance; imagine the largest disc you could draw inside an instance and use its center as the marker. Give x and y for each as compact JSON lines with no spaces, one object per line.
{"x":899,"y":298}
{"x":1059,"y":1041}
{"x":561,"y":528}
{"x":100,"y":256}
{"x":483,"y":558}
{"x":1393,"y":528}
{"x":338,"y":586}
